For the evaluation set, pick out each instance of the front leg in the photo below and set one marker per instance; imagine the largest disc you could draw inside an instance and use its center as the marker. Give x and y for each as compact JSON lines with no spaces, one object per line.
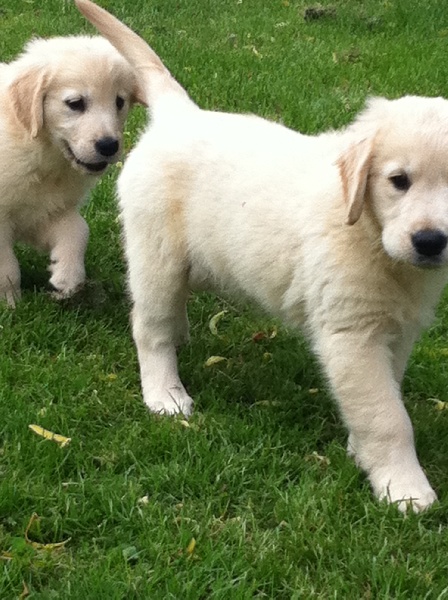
{"x":362,"y":374}
{"x":158,"y":274}
{"x":9,"y":269}
{"x":401,"y":349}
{"x":66,"y":238}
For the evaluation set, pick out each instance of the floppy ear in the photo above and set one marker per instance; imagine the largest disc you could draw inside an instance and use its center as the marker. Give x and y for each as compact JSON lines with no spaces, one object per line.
{"x":139,"y":95}
{"x":354,"y":167}
{"x":27,"y":96}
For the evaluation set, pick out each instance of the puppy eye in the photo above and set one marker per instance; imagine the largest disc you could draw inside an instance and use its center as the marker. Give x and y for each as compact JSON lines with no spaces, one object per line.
{"x":78,"y":105}
{"x":119,"y":102}
{"x":400,"y":182}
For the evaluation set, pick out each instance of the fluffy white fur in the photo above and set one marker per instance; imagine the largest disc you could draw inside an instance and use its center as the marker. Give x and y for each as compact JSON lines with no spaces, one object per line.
{"x":63,"y":103}
{"x":343,"y":234}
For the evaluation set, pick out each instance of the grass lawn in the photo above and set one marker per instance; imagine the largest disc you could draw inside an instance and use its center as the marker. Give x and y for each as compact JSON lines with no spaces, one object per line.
{"x":254,"y":497}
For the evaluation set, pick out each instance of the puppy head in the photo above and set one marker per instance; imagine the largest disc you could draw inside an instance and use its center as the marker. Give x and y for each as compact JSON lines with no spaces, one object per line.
{"x":400,"y":166}
{"x":76,"y":93}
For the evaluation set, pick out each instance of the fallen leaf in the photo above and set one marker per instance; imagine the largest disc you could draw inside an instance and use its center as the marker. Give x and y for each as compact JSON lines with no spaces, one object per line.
{"x":260,"y":335}
{"x":35,"y":517}
{"x":318,"y":458}
{"x":214,"y":360}
{"x":440,"y":405}
{"x":213,"y":323}
{"x":25,"y":591}
{"x":49,"y":435}
{"x":191,"y":547}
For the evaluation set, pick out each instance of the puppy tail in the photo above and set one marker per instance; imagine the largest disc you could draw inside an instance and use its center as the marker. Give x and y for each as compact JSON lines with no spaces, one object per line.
{"x":156,"y":80}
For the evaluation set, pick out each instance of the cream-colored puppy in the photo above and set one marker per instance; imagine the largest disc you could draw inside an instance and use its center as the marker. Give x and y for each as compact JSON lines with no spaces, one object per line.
{"x":63,"y":103}
{"x":344,"y":234}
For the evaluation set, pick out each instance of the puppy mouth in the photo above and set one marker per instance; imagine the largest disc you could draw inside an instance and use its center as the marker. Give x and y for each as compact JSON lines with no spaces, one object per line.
{"x":95,"y":167}
{"x":434,"y":262}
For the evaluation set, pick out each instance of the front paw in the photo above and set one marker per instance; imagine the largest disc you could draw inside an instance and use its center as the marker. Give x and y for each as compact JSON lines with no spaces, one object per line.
{"x":64,"y":283}
{"x":10,"y":296}
{"x":169,"y":401}
{"x":405,"y":487}
{"x":64,"y":292}
{"x":9,"y":280}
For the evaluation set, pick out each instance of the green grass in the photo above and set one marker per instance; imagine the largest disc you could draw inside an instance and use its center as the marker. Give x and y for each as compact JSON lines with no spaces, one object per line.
{"x":260,"y":478}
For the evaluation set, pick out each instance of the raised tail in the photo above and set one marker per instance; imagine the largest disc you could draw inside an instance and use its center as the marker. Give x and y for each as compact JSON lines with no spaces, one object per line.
{"x":156,"y":80}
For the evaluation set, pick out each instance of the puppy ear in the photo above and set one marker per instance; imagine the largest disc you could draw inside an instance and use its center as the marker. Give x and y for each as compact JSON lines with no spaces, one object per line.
{"x":139,"y":95}
{"x":27,"y":96}
{"x":354,"y":167}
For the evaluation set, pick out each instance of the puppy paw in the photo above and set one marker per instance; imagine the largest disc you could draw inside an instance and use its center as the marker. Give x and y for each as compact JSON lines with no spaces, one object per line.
{"x":65,"y":284}
{"x":407,"y":491}
{"x":10,"y":296}
{"x":64,"y":293}
{"x":9,"y":281}
{"x":170,"y":401}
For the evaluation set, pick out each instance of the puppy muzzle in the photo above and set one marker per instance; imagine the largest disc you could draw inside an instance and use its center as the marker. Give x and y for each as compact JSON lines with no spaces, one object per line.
{"x":429,"y":246}
{"x":106,"y":151}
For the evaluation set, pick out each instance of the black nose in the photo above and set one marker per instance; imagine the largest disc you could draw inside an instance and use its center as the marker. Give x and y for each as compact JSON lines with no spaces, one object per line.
{"x":429,"y":242}
{"x":107,"y":146}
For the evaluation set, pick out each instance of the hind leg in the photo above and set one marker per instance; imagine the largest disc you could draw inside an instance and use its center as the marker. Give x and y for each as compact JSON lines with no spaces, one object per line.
{"x":159,"y":290}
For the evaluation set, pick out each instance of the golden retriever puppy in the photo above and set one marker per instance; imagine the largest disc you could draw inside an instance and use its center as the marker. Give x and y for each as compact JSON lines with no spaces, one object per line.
{"x":63,"y":104}
{"x":343,"y":234}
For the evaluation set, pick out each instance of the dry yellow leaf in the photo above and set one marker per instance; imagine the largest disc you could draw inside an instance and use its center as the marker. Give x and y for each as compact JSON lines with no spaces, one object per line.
{"x":440,"y":404}
{"x":318,"y":458}
{"x":38,"y":545}
{"x":191,"y":547}
{"x":49,"y":435}
{"x":214,"y":360}
{"x":213,"y":323}
{"x":25,"y":591}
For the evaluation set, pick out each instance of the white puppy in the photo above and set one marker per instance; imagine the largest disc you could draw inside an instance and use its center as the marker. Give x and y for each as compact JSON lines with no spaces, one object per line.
{"x":344,"y":234}
{"x":63,"y":103}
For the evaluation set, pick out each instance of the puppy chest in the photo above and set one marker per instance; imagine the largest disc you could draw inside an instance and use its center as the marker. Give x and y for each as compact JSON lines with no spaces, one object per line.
{"x":31,"y":207}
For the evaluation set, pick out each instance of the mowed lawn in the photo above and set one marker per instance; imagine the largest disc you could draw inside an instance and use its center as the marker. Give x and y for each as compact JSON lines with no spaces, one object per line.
{"x":254,"y":497}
